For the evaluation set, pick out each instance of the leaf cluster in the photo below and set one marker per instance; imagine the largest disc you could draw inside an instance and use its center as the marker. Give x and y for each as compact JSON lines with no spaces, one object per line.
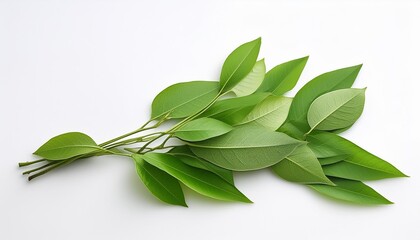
{"x":243,"y":122}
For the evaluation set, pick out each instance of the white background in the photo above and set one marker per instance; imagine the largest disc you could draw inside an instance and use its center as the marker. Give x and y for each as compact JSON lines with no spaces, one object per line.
{"x":95,"y":66}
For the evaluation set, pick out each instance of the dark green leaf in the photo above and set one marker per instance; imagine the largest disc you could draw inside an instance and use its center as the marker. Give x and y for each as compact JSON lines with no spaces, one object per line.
{"x":238,"y":64}
{"x":282,"y":78}
{"x":331,"y":160}
{"x":184,"y":99}
{"x":184,"y":154}
{"x":233,"y":110}
{"x":301,"y":166}
{"x":246,"y":148}
{"x":351,"y":191}
{"x":337,"y":109}
{"x":202,"y":129}
{"x":326,"y":144}
{"x":349,"y":170}
{"x":201,"y":181}
{"x":160,"y":184}
{"x":67,"y":145}
{"x":330,"y":81}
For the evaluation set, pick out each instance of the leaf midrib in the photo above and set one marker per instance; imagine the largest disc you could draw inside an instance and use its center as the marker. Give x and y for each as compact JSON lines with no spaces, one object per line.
{"x":71,"y":146}
{"x":240,"y":147}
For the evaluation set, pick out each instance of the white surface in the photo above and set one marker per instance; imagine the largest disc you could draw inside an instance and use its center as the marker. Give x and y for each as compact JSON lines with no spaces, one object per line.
{"x":95,"y":66}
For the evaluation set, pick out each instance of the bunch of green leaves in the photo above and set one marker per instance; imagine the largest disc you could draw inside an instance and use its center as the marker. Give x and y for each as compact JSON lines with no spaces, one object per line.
{"x":242,"y":123}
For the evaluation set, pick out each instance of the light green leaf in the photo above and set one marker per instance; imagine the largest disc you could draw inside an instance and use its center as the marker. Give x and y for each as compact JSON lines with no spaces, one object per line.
{"x":327,"y":144}
{"x":201,"y":181}
{"x":270,"y":113}
{"x":184,"y":99}
{"x":283,"y":78}
{"x":160,"y":184}
{"x":184,"y":154}
{"x":251,"y":81}
{"x":351,"y":191}
{"x":330,"y":81}
{"x":233,"y":110}
{"x":202,"y":129}
{"x":246,"y":148}
{"x":331,"y":160}
{"x":337,"y":109}
{"x":301,"y":166}
{"x":67,"y":145}
{"x":238,"y":64}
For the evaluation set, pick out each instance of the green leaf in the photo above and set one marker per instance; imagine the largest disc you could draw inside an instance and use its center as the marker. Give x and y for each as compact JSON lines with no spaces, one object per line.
{"x":327,"y":144}
{"x":202,"y":129}
{"x":238,"y":64}
{"x":331,"y":160}
{"x":160,"y":184}
{"x":301,"y":166}
{"x":294,"y":129}
{"x":270,"y":113}
{"x":351,"y":191}
{"x":67,"y":145}
{"x":184,"y":154}
{"x":349,"y":170}
{"x":337,"y":109}
{"x":233,"y":110}
{"x":201,"y":181}
{"x":330,"y":81}
{"x":246,"y":148}
{"x":283,"y":78}
{"x":252,"y":81}
{"x":184,"y":99}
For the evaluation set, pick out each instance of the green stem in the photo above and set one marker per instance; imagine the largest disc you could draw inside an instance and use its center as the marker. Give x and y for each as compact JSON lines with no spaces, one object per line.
{"x":23,"y":164}
{"x":184,"y":121}
{"x":49,"y":169}
{"x":41,"y":167}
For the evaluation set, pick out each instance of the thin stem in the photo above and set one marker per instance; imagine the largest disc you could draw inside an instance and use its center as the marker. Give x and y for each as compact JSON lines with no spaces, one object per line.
{"x":124,"y":136}
{"x":39,"y":168}
{"x":131,"y":140}
{"x":184,"y":121}
{"x":23,"y":164}
{"x":150,"y":142}
{"x":49,"y":169}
